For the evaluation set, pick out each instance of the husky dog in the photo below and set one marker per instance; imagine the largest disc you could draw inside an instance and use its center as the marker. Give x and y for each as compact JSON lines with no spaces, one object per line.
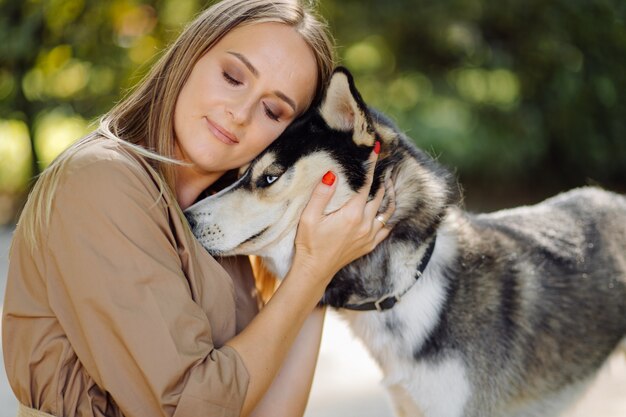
{"x":502,"y":314}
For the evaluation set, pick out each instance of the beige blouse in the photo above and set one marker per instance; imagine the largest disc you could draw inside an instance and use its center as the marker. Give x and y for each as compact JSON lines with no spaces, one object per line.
{"x":119,"y":310}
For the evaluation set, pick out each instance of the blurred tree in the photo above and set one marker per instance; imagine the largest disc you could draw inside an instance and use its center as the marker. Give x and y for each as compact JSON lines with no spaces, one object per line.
{"x":515,"y":93}
{"x":509,"y":91}
{"x":63,"y":63}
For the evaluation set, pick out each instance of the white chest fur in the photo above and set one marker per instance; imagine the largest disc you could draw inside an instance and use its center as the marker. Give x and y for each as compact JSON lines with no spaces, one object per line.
{"x":431,"y":389}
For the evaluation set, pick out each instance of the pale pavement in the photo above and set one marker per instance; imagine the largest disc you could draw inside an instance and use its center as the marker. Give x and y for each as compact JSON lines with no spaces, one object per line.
{"x":347,"y":381}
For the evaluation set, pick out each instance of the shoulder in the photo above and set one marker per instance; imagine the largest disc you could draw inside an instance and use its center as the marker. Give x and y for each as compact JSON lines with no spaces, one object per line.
{"x":102,"y":177}
{"x":107,"y":166}
{"x":103,"y":187}
{"x":104,"y":154}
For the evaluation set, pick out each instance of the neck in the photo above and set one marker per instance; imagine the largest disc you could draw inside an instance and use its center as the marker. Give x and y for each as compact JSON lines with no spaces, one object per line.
{"x":191,"y":181}
{"x":421,"y":197}
{"x":388,"y":301}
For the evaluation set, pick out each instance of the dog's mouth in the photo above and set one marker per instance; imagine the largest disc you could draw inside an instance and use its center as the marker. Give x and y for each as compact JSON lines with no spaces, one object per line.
{"x":210,"y":237}
{"x":253,"y":237}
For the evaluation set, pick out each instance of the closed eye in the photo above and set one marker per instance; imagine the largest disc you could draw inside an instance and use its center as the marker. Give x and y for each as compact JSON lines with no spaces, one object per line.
{"x":230,"y":80}
{"x":270,"y":113}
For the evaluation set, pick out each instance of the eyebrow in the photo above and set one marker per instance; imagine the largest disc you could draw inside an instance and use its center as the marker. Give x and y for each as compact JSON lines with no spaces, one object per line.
{"x":255,"y":72}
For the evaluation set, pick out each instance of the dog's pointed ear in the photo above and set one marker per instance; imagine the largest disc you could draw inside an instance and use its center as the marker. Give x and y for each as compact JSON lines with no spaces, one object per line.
{"x":344,"y":109}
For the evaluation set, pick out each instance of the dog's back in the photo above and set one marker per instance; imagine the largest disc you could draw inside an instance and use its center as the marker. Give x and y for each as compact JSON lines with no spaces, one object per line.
{"x":502,"y":314}
{"x":538,"y":294}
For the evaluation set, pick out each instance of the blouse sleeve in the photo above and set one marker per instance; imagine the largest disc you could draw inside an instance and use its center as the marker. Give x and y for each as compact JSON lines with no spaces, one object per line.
{"x":118,"y":290}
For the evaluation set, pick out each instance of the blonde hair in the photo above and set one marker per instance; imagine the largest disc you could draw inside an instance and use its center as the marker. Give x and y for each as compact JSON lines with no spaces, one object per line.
{"x":143,"y":121}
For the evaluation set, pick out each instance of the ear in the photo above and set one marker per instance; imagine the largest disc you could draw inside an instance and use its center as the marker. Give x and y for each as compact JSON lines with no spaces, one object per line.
{"x":344,"y":109}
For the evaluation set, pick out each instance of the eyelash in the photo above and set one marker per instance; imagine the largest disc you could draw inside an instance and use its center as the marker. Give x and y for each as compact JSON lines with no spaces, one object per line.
{"x":234,"y":82}
{"x":230,"y":80}
{"x":270,"y":114}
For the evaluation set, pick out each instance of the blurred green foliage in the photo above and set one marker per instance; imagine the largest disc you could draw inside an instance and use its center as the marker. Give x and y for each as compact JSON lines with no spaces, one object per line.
{"x":509,"y":91}
{"x":513,"y":94}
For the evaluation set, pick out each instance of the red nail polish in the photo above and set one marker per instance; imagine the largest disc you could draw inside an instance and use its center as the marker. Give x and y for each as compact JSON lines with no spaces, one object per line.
{"x":328,"y":178}
{"x":377,"y":147}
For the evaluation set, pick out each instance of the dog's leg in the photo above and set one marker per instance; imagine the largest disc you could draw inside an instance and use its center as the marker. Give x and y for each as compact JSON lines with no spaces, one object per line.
{"x":403,"y":404}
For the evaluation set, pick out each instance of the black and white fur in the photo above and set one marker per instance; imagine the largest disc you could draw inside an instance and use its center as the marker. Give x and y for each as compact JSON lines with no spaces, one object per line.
{"x":515,"y":310}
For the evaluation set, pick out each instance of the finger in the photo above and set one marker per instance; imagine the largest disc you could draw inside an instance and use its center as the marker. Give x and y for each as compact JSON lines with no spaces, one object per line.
{"x":390,"y":192}
{"x":381,"y":235}
{"x":384,"y":193}
{"x":322,"y":193}
{"x":372,"y":207}
{"x":364,"y":192}
{"x":382,"y":218}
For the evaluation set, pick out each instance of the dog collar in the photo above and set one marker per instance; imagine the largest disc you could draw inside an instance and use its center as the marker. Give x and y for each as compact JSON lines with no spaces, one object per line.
{"x":387,"y":302}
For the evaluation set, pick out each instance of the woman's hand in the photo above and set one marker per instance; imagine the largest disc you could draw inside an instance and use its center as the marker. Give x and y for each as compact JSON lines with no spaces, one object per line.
{"x":326,"y":243}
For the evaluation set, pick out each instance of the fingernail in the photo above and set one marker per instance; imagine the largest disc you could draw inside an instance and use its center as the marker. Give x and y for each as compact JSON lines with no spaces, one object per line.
{"x":329,"y":178}
{"x":377,"y":147}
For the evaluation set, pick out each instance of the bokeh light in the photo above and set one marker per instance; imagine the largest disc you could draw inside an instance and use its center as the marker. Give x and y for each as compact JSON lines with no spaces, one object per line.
{"x":55,"y":131}
{"x":15,"y":154}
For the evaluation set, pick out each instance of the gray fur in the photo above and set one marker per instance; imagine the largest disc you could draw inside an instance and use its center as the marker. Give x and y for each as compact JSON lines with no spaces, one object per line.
{"x":514,"y":313}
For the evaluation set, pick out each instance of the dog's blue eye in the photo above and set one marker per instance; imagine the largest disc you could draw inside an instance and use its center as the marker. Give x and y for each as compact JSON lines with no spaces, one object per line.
{"x":269,"y":177}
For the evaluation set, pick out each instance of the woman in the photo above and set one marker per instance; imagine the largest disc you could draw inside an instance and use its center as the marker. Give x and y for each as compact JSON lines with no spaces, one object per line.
{"x":112,"y":308}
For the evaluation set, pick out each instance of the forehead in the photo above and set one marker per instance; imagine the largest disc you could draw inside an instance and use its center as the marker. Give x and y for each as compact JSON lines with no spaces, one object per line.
{"x":282,"y":57}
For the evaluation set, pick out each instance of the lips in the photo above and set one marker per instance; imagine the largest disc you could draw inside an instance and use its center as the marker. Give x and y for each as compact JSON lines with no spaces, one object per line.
{"x":220,"y":133}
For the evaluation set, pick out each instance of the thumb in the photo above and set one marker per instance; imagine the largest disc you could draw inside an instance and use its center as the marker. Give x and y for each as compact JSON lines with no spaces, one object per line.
{"x":322,"y":193}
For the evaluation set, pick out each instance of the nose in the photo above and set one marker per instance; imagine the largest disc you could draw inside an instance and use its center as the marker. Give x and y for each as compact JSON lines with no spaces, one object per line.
{"x":240,"y":111}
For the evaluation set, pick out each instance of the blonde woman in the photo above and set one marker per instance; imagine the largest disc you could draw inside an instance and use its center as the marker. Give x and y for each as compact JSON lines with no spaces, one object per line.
{"x":112,"y":308}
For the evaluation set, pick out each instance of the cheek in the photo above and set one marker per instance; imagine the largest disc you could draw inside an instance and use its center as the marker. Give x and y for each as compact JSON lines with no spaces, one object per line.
{"x":265,"y":132}
{"x":200,"y":91}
